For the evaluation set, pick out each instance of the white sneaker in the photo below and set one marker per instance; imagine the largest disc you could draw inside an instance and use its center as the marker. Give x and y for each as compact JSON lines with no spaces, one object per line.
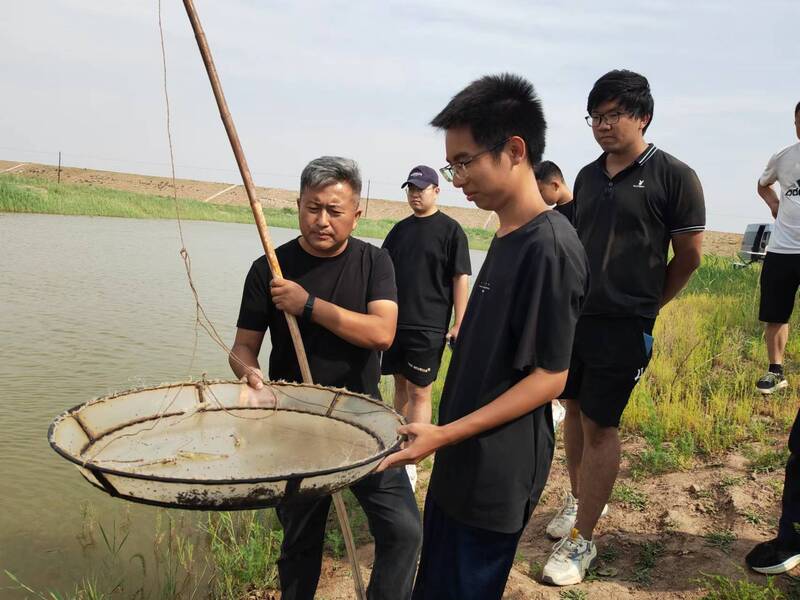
{"x":570,"y":560}
{"x":560,"y":526}
{"x":559,"y":412}
{"x":411,"y":471}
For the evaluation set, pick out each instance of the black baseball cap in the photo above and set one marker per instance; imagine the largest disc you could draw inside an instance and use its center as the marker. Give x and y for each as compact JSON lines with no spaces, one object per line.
{"x":422,"y":176}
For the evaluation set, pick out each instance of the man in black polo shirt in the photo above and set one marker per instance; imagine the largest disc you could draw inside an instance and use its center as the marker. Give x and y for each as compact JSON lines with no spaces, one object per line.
{"x":344,"y":290}
{"x":494,"y":441}
{"x":630,"y":204}
{"x":431,"y":264}
{"x":554,"y":189}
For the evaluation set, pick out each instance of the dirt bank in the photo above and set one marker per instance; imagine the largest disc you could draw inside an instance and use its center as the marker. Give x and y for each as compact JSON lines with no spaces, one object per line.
{"x":723,"y":244}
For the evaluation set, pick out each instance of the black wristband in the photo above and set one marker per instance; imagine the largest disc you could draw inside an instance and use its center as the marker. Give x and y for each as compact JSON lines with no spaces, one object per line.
{"x":308,"y":308}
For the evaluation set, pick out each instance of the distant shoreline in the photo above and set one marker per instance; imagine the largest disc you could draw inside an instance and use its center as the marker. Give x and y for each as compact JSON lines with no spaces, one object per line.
{"x":34,"y":195}
{"x":106,"y":193}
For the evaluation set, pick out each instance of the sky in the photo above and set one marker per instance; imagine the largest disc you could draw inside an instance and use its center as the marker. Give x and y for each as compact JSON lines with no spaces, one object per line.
{"x":363,"y":79}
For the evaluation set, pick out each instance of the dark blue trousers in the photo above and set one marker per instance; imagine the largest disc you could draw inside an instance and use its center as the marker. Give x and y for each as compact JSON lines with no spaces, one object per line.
{"x":789,"y":525}
{"x":393,"y":520}
{"x":460,"y":562}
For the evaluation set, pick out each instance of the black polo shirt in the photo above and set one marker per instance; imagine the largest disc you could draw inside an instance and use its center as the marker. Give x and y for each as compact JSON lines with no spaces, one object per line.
{"x":625,"y":224}
{"x":521,"y":315}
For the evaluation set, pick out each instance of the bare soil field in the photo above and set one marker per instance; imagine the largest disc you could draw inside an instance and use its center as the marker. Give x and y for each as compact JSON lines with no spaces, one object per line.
{"x":661,"y":534}
{"x":720,"y":243}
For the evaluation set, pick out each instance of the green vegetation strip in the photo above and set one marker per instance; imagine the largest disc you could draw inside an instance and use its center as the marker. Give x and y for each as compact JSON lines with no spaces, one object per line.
{"x":31,"y":195}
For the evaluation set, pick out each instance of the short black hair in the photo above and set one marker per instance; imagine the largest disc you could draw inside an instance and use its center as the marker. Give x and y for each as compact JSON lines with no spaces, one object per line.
{"x":630,"y":90}
{"x":547,"y":170}
{"x":496,"y":107}
{"x":797,"y":108}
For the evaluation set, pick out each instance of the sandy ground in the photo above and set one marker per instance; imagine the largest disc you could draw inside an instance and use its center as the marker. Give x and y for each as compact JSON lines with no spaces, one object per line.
{"x":723,"y":244}
{"x":679,"y":511}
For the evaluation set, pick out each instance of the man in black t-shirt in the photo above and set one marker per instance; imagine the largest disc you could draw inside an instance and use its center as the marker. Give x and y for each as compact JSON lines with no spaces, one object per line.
{"x":344,"y":291}
{"x":494,"y":441}
{"x":430,"y":254}
{"x":630,"y":205}
{"x":554,"y":189}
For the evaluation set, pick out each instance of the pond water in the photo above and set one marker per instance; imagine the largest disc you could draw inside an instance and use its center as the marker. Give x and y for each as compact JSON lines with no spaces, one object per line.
{"x":89,"y":306}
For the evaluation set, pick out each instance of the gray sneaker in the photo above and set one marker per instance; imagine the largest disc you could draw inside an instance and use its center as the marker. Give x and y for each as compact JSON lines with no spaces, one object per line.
{"x":570,"y":560}
{"x":771,"y":382}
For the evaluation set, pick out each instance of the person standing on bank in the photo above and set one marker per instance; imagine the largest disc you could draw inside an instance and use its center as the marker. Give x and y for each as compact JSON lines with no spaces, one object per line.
{"x":630,"y":204}
{"x":344,"y":292}
{"x":554,"y":189}
{"x":494,"y":440}
{"x":430,"y":254}
{"x":780,"y":275}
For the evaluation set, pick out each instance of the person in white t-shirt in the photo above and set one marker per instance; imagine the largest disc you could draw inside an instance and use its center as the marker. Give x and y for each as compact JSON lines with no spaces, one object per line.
{"x":780,"y":275}
{"x":780,"y":278}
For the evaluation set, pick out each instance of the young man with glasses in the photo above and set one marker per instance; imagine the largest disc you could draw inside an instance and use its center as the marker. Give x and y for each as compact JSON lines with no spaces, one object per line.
{"x":431,"y":264}
{"x":494,"y":440}
{"x":780,"y":275}
{"x":630,"y":205}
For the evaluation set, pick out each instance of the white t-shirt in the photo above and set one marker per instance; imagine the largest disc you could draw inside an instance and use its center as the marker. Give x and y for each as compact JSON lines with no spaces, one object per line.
{"x":784,"y":167}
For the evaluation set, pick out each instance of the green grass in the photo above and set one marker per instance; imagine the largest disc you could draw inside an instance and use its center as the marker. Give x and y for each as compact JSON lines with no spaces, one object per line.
{"x":719,"y":587}
{"x":32,"y":195}
{"x":649,"y":553}
{"x":768,"y":461}
{"x":721,"y":540}
{"x":243,"y":548}
{"x":573,"y":595}
{"x":698,"y":394}
{"x":629,"y":496}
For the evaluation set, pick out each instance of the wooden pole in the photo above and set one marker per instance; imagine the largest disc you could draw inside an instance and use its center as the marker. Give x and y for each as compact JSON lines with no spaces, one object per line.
{"x":366,"y":208}
{"x":59,"y":166}
{"x":272,"y":259}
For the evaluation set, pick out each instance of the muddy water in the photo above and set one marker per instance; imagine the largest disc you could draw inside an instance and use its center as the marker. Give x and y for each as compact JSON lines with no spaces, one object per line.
{"x":89,"y":306}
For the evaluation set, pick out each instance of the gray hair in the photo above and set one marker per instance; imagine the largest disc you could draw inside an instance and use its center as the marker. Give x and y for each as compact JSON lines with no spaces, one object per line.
{"x":326,"y":170}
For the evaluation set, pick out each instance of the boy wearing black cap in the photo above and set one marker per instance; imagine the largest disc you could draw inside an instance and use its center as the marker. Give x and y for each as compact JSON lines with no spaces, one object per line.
{"x":431,"y":262}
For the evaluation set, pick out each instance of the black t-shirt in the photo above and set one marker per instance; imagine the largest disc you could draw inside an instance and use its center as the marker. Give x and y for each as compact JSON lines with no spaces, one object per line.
{"x":357,"y":276}
{"x":427,"y":253}
{"x":521,"y":316}
{"x":567,"y":209}
{"x":625,"y":224}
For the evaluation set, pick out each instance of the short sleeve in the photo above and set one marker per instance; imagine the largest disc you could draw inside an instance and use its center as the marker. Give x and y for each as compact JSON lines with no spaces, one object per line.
{"x":576,"y":197}
{"x":770,"y":174}
{"x":256,"y":307}
{"x":387,"y":242}
{"x":381,"y":278}
{"x":686,"y":212}
{"x":552,"y":298}
{"x":458,"y":262}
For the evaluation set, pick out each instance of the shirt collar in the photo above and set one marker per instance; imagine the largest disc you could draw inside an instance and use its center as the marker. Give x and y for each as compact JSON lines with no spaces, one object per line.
{"x":640,"y":160}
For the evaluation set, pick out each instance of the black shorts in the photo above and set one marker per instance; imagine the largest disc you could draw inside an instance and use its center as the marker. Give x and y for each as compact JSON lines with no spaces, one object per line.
{"x":416,"y":355}
{"x":609,"y":356}
{"x":780,"y":277}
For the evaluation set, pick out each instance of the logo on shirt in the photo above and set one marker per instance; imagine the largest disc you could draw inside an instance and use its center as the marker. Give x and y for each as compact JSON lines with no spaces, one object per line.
{"x":639,"y":373}
{"x":420,"y":369}
{"x":484,"y":286}
{"x":794,"y":190}
{"x":639,"y":185}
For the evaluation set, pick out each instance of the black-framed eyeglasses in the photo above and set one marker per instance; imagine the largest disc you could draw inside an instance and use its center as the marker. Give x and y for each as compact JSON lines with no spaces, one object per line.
{"x":460,"y":168}
{"x":612,"y":118}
